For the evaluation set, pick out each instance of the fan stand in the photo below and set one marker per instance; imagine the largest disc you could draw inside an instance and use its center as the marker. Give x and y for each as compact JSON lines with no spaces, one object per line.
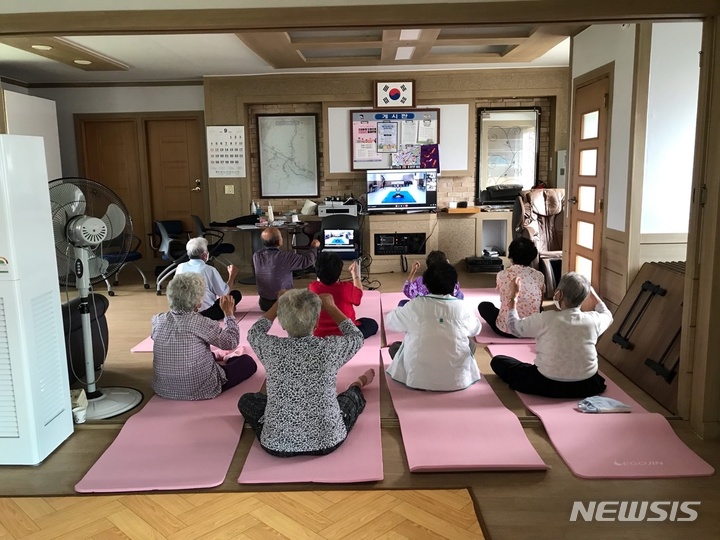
{"x":102,"y":402}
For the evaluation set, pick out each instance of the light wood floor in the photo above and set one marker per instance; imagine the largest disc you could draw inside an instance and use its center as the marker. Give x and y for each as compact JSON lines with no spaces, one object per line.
{"x":510,"y":505}
{"x":321,"y":515}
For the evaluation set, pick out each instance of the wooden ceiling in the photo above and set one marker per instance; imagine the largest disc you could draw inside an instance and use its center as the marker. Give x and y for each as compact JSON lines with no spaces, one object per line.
{"x":387,"y":47}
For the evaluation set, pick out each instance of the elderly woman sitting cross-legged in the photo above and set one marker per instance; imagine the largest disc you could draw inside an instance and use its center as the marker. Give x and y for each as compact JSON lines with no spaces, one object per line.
{"x":301,"y":413}
{"x":184,"y":367}
{"x":566,"y":363}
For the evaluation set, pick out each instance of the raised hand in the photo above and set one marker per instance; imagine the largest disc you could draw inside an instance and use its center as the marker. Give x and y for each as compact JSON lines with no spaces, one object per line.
{"x":515,"y":287}
{"x":227,"y":304}
{"x":328,"y":302}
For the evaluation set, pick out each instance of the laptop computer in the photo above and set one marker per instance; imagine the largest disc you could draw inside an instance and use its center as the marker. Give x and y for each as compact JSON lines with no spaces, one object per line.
{"x":339,"y":240}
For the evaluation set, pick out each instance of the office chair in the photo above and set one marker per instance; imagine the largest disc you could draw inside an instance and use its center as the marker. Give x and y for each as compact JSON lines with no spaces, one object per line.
{"x":216,"y":247}
{"x":167,"y":239}
{"x":300,"y":241}
{"x":132,"y":256}
{"x":538,"y":215}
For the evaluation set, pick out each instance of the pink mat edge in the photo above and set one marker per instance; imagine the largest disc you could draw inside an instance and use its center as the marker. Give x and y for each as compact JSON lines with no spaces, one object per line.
{"x":470,"y":467}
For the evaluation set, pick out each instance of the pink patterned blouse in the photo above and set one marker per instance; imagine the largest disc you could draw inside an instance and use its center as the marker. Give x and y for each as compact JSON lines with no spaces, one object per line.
{"x":532,"y":284}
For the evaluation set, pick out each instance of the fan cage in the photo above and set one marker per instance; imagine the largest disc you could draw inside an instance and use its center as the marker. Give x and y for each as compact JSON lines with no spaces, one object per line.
{"x":71,"y":197}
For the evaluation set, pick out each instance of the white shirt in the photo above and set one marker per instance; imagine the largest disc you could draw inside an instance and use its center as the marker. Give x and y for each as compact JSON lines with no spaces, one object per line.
{"x":435,"y":354}
{"x":214,"y":284}
{"x":566,"y":339}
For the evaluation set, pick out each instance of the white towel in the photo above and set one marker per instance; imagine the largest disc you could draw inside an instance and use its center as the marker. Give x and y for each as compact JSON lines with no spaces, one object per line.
{"x":600,"y":404}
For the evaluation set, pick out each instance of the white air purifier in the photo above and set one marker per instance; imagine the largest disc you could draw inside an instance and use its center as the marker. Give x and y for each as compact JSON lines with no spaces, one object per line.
{"x":35,"y":412}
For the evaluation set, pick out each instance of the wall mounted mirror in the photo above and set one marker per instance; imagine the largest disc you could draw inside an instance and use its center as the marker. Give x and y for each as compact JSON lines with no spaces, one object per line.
{"x":508,"y":147}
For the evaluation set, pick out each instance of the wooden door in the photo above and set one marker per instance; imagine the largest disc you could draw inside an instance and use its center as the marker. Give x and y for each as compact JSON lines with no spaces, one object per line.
{"x":175,"y":172}
{"x":588,"y":177}
{"x":109,"y":154}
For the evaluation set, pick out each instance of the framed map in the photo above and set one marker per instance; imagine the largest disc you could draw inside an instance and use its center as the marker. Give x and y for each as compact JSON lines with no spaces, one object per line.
{"x":288,"y":155}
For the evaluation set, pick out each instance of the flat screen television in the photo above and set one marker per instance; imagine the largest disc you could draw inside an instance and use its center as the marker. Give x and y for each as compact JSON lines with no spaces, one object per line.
{"x":392,"y":190}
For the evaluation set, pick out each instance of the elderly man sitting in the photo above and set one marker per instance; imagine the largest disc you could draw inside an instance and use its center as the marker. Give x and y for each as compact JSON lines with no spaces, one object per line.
{"x":566,"y":363}
{"x":274,"y":267}
{"x":197,"y":250}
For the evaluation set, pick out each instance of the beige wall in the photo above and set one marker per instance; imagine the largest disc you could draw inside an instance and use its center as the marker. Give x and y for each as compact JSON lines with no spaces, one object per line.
{"x":236,"y":100}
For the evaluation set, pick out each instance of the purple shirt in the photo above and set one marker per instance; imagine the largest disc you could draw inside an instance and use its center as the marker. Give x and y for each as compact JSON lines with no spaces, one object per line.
{"x":274,"y":268}
{"x":418,"y":288}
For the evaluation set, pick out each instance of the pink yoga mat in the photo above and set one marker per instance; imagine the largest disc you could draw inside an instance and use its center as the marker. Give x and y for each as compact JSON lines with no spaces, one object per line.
{"x":639,"y":444}
{"x":171,"y":445}
{"x":467,"y":430}
{"x":358,"y":459}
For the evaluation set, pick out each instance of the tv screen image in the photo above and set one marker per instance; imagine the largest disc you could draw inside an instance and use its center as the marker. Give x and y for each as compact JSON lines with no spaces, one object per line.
{"x":401,"y":190}
{"x":338,"y":238}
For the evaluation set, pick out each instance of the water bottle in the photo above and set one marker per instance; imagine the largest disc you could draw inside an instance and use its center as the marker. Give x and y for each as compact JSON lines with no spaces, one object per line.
{"x":253,"y":208}
{"x":271,"y":216}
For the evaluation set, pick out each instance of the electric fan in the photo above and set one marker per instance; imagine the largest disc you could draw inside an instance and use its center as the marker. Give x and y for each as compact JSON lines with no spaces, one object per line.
{"x":89,"y":220}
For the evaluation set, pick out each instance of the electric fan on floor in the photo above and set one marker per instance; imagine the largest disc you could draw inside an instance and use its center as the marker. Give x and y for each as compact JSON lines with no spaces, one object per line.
{"x":89,"y":220}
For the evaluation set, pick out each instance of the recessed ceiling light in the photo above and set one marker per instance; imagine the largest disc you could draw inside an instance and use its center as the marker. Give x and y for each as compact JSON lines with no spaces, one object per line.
{"x":83,"y":62}
{"x":404,"y":53}
{"x":410,"y":35}
{"x":41,"y":47}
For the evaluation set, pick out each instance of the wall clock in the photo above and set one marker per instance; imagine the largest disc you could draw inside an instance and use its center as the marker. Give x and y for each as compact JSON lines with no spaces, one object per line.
{"x":394,"y":94}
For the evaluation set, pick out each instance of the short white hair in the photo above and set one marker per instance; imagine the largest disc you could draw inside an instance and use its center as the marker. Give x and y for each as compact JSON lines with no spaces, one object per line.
{"x":298,"y":312}
{"x":575,"y":288}
{"x":185,"y":291}
{"x":196,"y":247}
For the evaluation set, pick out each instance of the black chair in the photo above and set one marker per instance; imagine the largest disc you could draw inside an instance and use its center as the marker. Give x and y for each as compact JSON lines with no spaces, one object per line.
{"x":300,"y":240}
{"x":132,"y":256}
{"x":167,"y":239}
{"x":216,"y":247}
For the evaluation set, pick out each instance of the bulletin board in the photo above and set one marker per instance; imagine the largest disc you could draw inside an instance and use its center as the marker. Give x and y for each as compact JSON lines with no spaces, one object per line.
{"x":384,"y":139}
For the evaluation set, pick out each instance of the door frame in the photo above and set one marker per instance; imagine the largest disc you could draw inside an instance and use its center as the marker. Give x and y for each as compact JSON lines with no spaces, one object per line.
{"x":140,"y":119}
{"x":607,"y":70}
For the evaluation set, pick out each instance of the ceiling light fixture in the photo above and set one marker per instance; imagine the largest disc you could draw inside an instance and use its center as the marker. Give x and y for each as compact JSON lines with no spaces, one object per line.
{"x":404,"y":53}
{"x":83,"y":62}
{"x":410,"y":35}
{"x":41,"y":47}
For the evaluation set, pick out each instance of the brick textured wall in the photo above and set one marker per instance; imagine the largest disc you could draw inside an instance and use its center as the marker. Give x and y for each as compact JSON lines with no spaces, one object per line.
{"x":450,"y":188}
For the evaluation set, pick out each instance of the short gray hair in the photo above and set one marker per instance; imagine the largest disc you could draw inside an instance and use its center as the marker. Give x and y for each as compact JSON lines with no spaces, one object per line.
{"x":298,"y":312}
{"x":575,"y":288}
{"x":185,"y":291}
{"x":196,"y":247}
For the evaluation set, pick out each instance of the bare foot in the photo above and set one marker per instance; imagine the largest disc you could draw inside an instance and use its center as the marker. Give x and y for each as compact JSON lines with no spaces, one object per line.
{"x":364,"y":379}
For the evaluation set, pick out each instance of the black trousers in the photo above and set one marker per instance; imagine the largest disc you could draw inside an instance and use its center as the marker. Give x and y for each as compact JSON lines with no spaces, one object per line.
{"x":215,"y":312}
{"x":252,"y":407}
{"x":526,"y":378}
{"x":489,"y":312}
{"x":265,"y":303}
{"x":237,"y":369}
{"x":368,"y":327}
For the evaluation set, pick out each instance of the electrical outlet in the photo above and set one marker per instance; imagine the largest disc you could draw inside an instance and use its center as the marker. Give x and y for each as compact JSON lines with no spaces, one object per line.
{"x":229,"y":189}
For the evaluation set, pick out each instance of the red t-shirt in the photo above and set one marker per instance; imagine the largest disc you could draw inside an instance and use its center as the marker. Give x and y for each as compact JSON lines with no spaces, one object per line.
{"x":346,"y":295}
